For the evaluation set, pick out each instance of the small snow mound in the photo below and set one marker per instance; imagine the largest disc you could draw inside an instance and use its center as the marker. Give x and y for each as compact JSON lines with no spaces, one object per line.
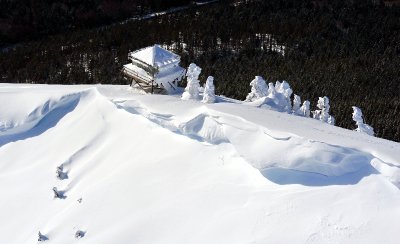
{"x":204,"y":127}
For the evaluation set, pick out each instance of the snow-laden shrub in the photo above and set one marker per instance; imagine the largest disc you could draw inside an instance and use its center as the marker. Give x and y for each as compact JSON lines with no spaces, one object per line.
{"x":193,"y":83}
{"x":276,"y":96}
{"x":323,"y":112}
{"x":258,"y":89}
{"x":361,"y":126}
{"x":305,"y":109}
{"x":297,"y":105}
{"x":209,"y":91}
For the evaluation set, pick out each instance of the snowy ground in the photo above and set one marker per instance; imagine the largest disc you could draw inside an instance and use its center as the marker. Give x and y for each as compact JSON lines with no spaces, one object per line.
{"x":155,"y":169}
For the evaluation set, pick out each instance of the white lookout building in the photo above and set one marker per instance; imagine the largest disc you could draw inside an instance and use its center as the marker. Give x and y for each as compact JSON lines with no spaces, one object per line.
{"x":154,"y":69}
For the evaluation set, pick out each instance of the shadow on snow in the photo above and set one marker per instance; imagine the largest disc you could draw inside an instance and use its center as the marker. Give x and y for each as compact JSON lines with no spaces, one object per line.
{"x":52,"y":116}
{"x":283,"y":176}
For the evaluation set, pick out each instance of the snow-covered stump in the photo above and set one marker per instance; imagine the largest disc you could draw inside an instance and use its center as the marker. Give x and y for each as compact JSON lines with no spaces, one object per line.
{"x":193,"y":83}
{"x":209,"y":91}
{"x":361,"y":126}
{"x":258,"y":89}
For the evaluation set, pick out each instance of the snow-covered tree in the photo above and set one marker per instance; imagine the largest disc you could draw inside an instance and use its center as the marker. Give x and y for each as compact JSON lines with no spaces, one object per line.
{"x":316,"y":114}
{"x":193,"y":83}
{"x":323,"y":112}
{"x":331,"y":120}
{"x":209,"y":91}
{"x":276,"y":96}
{"x":284,"y":89}
{"x":278,"y":86}
{"x":258,"y":89}
{"x":361,"y":126}
{"x":296,"y":105}
{"x":305,"y":109}
{"x":271,"y":90}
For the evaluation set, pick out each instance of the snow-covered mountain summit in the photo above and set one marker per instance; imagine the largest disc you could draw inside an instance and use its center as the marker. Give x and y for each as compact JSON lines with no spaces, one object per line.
{"x":133,"y":168}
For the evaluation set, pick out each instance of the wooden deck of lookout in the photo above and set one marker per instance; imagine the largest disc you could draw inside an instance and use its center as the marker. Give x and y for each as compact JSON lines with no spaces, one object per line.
{"x":145,"y":83}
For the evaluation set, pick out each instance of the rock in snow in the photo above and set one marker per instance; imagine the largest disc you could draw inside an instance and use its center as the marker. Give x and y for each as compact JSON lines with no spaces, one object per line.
{"x":42,"y":237}
{"x":158,"y":169}
{"x":79,"y":234}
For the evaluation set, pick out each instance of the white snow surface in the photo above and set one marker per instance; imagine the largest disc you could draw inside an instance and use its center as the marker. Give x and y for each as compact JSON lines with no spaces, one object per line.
{"x":158,"y":169}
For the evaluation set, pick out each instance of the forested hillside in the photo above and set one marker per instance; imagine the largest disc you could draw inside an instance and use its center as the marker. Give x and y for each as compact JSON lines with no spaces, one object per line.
{"x":346,"y":50}
{"x":22,"y":20}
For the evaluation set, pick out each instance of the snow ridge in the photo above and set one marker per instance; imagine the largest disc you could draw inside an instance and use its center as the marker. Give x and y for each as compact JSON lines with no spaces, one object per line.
{"x":262,"y":148}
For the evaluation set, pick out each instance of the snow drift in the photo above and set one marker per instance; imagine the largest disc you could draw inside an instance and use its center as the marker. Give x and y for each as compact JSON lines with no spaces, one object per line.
{"x":158,"y":169}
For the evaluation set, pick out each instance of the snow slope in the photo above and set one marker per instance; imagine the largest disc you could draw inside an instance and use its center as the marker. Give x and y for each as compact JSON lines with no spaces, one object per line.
{"x":157,"y":169}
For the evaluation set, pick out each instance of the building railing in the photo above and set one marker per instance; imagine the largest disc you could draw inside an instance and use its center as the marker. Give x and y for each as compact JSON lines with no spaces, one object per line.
{"x":135,"y":74}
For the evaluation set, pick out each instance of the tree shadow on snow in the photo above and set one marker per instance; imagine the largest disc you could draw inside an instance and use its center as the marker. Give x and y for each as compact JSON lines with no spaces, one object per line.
{"x":283,"y":176}
{"x":49,"y":120}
